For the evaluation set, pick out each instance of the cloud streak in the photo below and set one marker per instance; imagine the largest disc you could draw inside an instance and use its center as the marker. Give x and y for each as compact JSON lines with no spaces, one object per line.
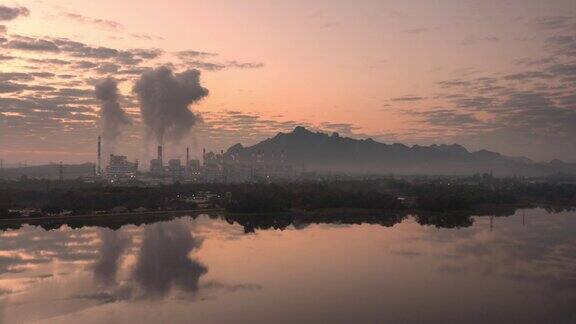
{"x":215,"y":66}
{"x":11,"y":13}
{"x":103,"y":23}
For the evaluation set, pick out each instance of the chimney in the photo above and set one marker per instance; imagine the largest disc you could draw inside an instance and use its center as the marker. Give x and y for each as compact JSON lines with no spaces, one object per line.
{"x":187,"y":155}
{"x":99,"y":156}
{"x":61,"y":172}
{"x":160,"y":155}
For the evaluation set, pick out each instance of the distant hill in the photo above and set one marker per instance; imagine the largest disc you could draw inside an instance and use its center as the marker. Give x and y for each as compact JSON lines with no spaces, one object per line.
{"x":49,"y":171}
{"x":315,"y":151}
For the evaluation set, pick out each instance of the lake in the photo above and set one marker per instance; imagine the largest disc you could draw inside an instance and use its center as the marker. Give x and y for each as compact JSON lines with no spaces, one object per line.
{"x":508,"y":269}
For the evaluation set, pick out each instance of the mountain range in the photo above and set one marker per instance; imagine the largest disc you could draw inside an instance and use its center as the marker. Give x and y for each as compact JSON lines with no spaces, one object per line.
{"x":316,"y":151}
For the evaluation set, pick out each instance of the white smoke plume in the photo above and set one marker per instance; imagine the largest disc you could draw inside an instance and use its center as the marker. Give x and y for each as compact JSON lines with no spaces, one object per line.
{"x":165,"y":98}
{"x":112,"y":117}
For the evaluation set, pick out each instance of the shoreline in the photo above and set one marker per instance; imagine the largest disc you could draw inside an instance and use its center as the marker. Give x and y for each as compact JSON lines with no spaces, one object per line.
{"x":119,"y":216}
{"x":485,"y":210}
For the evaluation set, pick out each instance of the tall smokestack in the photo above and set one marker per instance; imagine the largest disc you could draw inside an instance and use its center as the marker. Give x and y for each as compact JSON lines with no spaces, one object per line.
{"x":160,"y":154}
{"x":187,"y":155}
{"x":61,"y":172}
{"x":99,"y":155}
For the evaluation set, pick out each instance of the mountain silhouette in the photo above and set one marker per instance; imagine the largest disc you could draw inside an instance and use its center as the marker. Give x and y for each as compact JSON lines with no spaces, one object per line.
{"x":316,"y":151}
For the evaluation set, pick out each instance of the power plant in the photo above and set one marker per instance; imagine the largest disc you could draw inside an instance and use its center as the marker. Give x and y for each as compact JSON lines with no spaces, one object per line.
{"x":214,"y":167}
{"x":99,"y":170}
{"x":120,"y":167}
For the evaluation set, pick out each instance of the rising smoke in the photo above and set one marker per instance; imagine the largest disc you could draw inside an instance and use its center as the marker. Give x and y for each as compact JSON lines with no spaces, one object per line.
{"x":112,"y":118}
{"x":165,"y":98}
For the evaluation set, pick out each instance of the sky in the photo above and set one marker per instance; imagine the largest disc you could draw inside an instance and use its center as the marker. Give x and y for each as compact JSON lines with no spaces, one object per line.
{"x":496,"y":75}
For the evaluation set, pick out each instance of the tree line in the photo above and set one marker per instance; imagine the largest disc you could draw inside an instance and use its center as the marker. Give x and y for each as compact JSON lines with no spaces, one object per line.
{"x":52,"y":197}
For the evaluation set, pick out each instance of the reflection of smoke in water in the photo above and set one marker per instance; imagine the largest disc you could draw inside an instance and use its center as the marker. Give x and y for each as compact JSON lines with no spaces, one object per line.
{"x":164,"y":263}
{"x":111,"y":249}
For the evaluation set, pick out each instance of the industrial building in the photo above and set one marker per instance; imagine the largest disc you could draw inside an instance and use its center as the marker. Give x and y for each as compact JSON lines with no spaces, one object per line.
{"x":214,"y":167}
{"x":259,"y":167}
{"x":120,"y":167}
{"x":156,"y":165}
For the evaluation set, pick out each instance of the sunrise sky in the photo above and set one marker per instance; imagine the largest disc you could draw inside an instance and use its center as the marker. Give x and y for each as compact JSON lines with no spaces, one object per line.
{"x":497,"y":75}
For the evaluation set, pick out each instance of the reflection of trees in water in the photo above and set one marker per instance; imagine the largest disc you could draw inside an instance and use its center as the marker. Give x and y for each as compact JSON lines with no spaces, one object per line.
{"x":281,"y":221}
{"x":113,"y":223}
{"x":462,"y":219}
{"x":442,"y":220}
{"x":558,"y":209}
{"x":6,"y":227}
{"x":252,"y":222}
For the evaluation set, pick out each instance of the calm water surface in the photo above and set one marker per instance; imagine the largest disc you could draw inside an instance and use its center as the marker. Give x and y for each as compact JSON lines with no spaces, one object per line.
{"x":514,"y":269}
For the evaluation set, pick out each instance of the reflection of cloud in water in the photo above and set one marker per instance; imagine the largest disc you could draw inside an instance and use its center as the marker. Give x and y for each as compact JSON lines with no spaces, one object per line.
{"x":120,"y":293}
{"x":112,"y":246}
{"x":15,"y":263}
{"x":407,"y":253}
{"x":3,"y":292}
{"x":29,"y":246}
{"x":164,"y":262}
{"x":230,"y":287}
{"x":543,"y":252}
{"x":453,"y":268}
